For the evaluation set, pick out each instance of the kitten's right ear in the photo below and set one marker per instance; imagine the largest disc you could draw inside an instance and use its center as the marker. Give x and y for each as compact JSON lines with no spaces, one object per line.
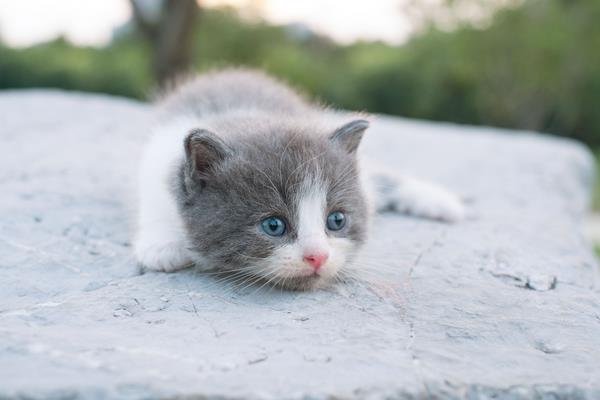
{"x":350,"y":134}
{"x":203,"y":151}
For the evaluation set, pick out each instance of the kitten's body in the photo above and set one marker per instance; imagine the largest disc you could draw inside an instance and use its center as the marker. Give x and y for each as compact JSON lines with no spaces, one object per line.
{"x":235,"y":148}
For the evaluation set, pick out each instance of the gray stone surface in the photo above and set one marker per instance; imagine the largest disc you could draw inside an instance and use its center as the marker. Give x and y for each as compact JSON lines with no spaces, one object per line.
{"x":505,"y":305}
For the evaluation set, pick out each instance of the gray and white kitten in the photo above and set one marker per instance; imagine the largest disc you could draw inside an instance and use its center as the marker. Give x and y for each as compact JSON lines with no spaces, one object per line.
{"x":243,"y":175}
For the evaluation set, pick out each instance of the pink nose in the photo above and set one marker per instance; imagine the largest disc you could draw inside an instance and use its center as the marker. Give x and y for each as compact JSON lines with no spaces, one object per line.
{"x":316,"y":260}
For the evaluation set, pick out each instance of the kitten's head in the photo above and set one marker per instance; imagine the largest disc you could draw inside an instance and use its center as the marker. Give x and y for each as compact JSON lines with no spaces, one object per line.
{"x":283,"y":206}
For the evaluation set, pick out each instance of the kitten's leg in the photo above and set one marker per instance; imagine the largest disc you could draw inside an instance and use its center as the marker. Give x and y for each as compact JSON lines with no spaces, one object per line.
{"x":160,"y":242}
{"x":391,"y":192}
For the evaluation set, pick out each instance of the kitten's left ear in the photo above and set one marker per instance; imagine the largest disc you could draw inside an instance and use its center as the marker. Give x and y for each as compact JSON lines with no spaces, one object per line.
{"x":350,"y":134}
{"x":204,"y":150}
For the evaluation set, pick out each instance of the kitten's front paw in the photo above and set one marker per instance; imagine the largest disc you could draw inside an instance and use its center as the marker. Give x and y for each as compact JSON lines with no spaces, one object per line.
{"x":165,"y":257}
{"x":421,"y":199}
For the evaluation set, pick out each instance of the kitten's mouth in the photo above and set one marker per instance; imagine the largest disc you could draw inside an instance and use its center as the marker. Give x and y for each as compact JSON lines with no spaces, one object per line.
{"x":307,"y":274}
{"x":301,"y":282}
{"x":302,"y":279}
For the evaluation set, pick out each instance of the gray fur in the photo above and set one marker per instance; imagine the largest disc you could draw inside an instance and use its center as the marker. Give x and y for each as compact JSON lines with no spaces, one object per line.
{"x":262,"y":145}
{"x":233,"y":89}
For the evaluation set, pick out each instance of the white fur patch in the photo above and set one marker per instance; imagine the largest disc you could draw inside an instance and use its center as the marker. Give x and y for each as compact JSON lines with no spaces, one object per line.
{"x":311,"y":220}
{"x":160,"y":243}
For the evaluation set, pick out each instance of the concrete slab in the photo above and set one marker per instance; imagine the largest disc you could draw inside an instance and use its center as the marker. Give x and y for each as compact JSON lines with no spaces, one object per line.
{"x":505,"y":305}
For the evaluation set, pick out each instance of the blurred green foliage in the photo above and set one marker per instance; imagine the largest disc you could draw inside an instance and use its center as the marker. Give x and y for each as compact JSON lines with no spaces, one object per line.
{"x":535,"y":66}
{"x":118,"y":69}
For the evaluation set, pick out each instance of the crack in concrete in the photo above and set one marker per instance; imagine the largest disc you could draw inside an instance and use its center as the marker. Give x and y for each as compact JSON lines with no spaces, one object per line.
{"x":216,"y":333}
{"x":411,"y":326}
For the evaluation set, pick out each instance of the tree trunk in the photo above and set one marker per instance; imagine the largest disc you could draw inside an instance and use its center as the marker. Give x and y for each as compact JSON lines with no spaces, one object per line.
{"x":171,"y":37}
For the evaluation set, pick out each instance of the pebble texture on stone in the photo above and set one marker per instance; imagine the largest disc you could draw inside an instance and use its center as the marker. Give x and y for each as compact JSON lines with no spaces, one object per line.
{"x":505,"y":305}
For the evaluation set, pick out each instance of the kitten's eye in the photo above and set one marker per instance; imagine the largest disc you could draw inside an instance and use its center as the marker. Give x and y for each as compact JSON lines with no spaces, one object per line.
{"x":273,"y":226}
{"x":336,"y":221}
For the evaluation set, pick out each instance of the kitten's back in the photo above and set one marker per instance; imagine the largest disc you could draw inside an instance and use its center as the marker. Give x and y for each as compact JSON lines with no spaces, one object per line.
{"x":232,"y":90}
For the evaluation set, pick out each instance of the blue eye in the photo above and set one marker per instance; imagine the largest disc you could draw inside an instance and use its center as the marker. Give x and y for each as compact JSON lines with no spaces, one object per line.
{"x":336,"y":221}
{"x":273,"y":226}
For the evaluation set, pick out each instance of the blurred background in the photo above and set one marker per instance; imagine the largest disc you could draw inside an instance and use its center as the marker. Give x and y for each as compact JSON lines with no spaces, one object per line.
{"x":524,"y":64}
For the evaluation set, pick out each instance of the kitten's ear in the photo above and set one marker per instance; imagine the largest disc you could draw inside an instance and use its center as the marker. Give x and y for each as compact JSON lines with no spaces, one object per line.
{"x":350,"y":134}
{"x":203,"y":150}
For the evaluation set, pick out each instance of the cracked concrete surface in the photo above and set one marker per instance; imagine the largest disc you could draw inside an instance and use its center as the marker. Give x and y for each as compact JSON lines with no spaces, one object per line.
{"x":505,"y":305}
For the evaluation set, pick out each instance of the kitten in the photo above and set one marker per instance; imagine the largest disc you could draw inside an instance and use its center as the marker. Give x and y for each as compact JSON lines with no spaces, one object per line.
{"x":243,"y":175}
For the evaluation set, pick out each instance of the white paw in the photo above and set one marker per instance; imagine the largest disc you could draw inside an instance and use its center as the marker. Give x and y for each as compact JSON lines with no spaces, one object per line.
{"x":166,"y":257}
{"x":439,"y":205}
{"x":422,"y":199}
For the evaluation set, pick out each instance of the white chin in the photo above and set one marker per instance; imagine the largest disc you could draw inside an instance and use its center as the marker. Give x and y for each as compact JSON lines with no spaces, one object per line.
{"x":302,"y":282}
